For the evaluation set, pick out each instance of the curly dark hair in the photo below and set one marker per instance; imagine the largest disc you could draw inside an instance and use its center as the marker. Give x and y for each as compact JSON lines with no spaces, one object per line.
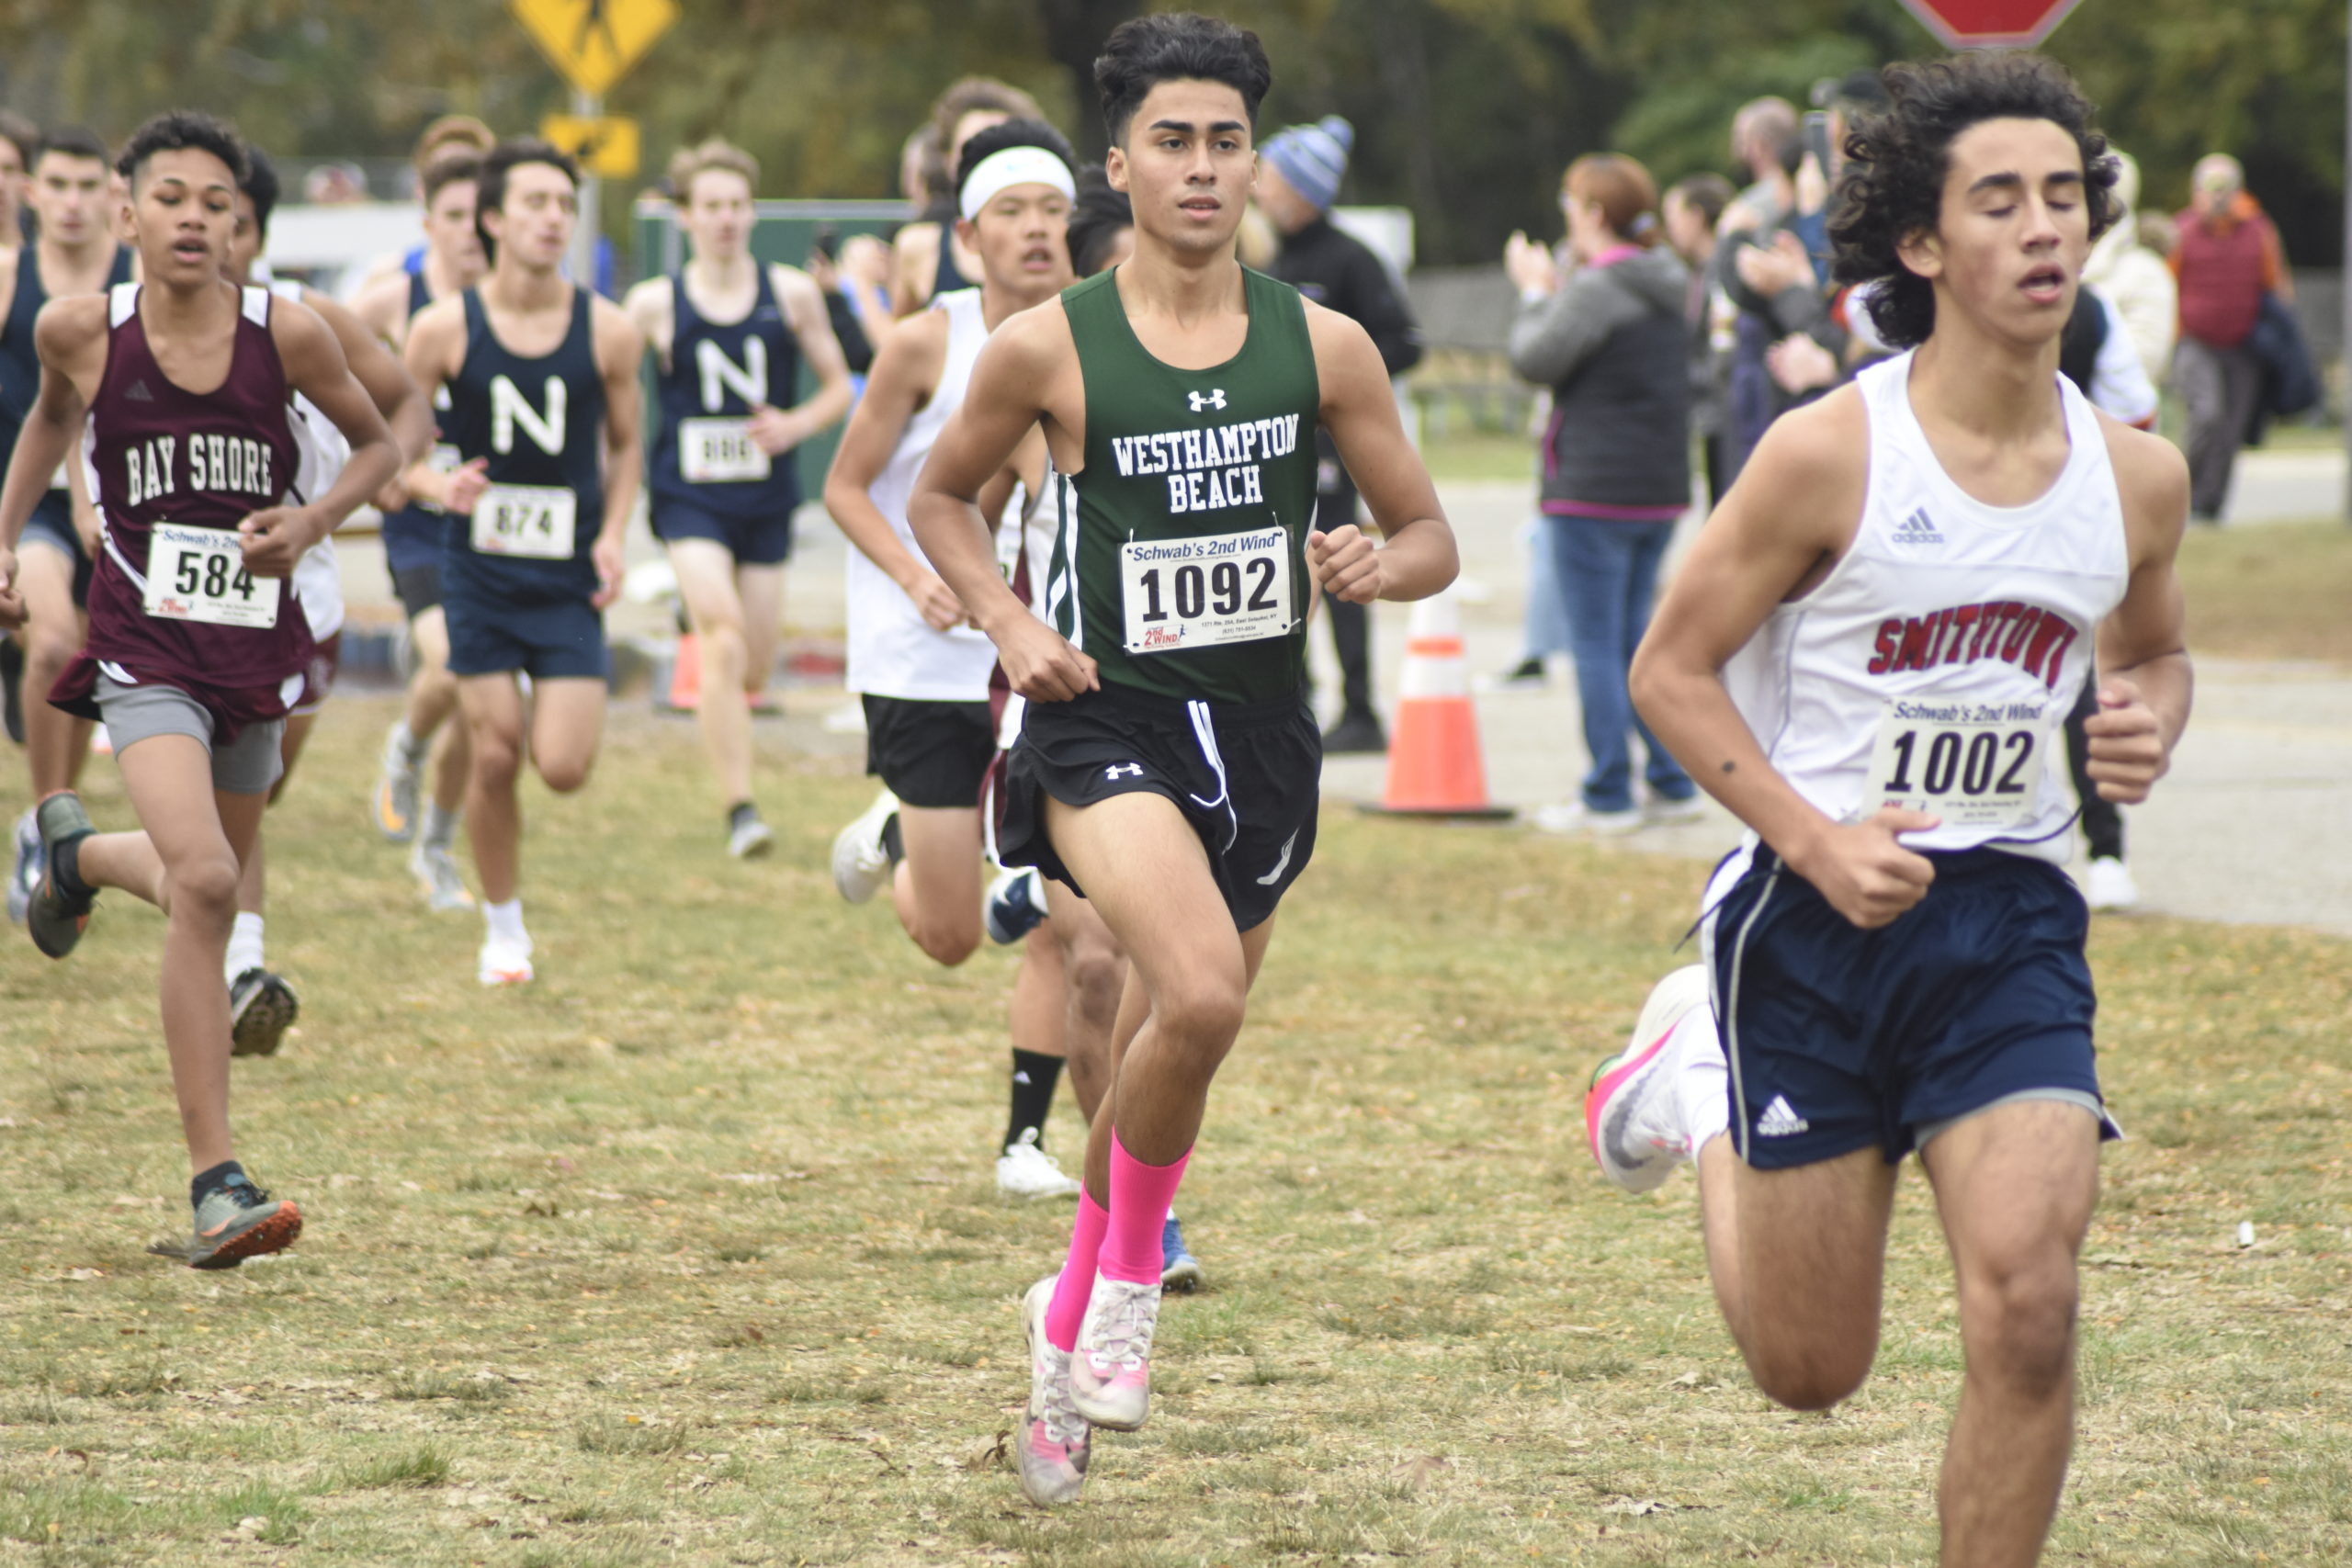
{"x":1177,"y":46}
{"x":179,"y":130}
{"x":1896,"y":160}
{"x":1100,"y":216}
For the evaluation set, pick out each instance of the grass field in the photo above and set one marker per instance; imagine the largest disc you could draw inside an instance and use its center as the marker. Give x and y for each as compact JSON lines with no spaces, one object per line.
{"x":2282,"y":590}
{"x":691,"y":1254}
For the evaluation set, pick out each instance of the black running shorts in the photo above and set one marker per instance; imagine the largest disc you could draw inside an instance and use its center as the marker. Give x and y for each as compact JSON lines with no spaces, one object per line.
{"x":1248,"y":778}
{"x":931,"y":755}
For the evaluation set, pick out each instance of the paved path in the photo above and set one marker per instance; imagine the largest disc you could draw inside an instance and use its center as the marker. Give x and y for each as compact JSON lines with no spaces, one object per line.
{"x":2254,"y":825}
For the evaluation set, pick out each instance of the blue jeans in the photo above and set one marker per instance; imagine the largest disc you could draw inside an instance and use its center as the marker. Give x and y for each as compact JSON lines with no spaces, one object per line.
{"x":1608,"y":575}
{"x":1547,"y":619}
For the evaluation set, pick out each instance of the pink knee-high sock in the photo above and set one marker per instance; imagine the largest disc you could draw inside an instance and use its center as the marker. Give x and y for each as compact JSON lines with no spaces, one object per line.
{"x":1067,"y":1309}
{"x":1140,"y":1197}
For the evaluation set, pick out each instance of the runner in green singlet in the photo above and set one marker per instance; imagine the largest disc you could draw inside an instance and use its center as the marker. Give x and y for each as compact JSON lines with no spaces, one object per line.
{"x":1168,"y":765}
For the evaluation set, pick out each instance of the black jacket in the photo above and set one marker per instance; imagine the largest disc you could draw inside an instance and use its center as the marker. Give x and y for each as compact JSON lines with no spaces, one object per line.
{"x":1613,"y":346}
{"x":1338,"y":272}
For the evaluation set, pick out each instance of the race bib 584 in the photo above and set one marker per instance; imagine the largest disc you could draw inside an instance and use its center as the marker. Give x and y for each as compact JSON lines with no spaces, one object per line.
{"x":198,"y":574}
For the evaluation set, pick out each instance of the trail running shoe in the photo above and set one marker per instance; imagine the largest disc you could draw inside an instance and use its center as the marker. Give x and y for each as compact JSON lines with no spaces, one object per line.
{"x":24,"y":871}
{"x":237,"y":1221}
{"x":1016,"y":905}
{"x":1630,"y":1113}
{"x":1179,"y":1269}
{"x":750,"y":840}
{"x":1024,"y":1170}
{"x":55,"y":916}
{"x":1053,"y":1448}
{"x":1109,"y":1372}
{"x":505,"y":960}
{"x":2110,"y":886}
{"x":435,"y":869}
{"x":395,"y":804}
{"x":261,"y":1008}
{"x":861,"y":863}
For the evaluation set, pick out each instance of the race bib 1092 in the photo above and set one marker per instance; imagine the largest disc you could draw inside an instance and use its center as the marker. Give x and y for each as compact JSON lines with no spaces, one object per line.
{"x":1973,"y":764}
{"x":198,"y":574}
{"x":539,"y":521}
{"x":1201,"y":593}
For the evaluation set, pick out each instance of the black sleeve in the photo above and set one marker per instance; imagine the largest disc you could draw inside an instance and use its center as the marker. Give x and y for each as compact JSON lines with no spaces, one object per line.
{"x":850,"y":331}
{"x":1379,"y":306}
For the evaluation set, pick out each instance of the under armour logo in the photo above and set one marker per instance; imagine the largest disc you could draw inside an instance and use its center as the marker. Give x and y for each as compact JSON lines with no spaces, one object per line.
{"x":1214,"y":399}
{"x":138,"y":394}
{"x":1116,"y":769}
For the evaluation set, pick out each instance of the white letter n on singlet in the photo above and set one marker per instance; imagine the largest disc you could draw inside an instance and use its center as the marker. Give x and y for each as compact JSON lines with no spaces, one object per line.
{"x":750,"y":379}
{"x":508,"y":405}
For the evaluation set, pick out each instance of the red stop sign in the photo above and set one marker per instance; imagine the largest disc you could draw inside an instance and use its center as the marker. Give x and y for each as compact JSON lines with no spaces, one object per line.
{"x":1990,"y":24}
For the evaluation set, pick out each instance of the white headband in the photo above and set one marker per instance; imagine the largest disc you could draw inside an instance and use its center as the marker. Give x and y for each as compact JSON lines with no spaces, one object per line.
{"x":1000,"y":172}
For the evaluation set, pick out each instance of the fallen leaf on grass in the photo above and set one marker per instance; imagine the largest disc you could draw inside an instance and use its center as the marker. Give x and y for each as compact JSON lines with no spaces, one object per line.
{"x":988,"y":1452}
{"x":1420,"y":1469}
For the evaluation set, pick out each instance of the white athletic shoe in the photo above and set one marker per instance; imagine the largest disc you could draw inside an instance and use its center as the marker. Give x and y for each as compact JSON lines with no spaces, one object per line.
{"x":504,"y":962}
{"x":24,"y":869}
{"x":1632,"y":1114}
{"x":394,"y":808}
{"x":1110,"y":1371}
{"x":1574,"y":818}
{"x":861,"y":865}
{"x":435,"y":869}
{"x":2111,"y":885}
{"x":1053,"y":1447}
{"x":1024,"y":1170}
{"x":750,"y":839}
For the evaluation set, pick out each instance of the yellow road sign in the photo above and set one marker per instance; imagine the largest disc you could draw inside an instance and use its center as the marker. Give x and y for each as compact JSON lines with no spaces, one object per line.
{"x":606,"y":146}
{"x":594,"y":42}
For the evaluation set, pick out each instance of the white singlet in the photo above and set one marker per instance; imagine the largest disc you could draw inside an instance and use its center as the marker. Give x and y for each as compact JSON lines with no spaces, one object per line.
{"x":893,"y":651}
{"x":318,"y":583}
{"x":1934,"y":667}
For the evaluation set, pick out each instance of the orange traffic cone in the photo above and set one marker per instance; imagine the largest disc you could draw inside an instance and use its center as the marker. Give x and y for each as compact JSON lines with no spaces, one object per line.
{"x":686,"y":675}
{"x":1435,"y":767}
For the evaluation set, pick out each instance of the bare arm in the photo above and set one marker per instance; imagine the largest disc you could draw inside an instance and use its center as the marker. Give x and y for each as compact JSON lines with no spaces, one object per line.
{"x":804,"y":306}
{"x":1359,"y":409}
{"x":905,"y":371}
{"x":274,"y":537}
{"x":914,"y":265}
{"x":381,"y":307}
{"x":436,"y":341}
{"x":652,"y":310}
{"x":2145,"y":682}
{"x":1011,"y":388}
{"x":1791,"y":513}
{"x":618,"y":349}
{"x":388,"y":385}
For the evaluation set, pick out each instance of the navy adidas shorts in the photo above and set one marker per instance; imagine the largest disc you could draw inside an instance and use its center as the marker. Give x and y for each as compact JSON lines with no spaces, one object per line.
{"x":548,"y":640}
{"x":1841,"y":1039}
{"x":1247,"y":780}
{"x":51,"y":524}
{"x":764,"y":540}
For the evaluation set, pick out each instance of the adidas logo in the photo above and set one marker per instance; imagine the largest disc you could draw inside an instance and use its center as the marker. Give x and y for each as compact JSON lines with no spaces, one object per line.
{"x":1779,"y":1120}
{"x":138,"y":394}
{"x":1918,"y":529}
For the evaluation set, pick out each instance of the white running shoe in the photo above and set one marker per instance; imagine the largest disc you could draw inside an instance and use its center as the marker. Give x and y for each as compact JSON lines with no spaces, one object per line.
{"x":1632,"y":1114}
{"x":2111,"y":885}
{"x":394,"y":808}
{"x":1053,"y":1448}
{"x":750,"y":839}
{"x":1024,"y":1170}
{"x":24,"y":869}
{"x":861,"y":865}
{"x":1574,"y":818}
{"x":1109,"y":1372}
{"x":505,"y":960}
{"x":435,"y":869}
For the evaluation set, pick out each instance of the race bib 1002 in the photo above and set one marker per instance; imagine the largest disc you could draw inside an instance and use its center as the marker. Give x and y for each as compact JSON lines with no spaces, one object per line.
{"x":198,"y":574}
{"x":1973,"y":764}
{"x":720,"y":451}
{"x":540,"y":522}
{"x":1201,"y":593}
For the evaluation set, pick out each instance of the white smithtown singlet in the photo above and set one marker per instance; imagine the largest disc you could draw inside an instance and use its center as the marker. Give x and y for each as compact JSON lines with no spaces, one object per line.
{"x":1934,"y":667}
{"x":893,"y":651}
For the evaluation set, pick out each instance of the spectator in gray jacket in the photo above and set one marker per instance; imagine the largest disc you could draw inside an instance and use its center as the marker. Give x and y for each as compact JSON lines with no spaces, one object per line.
{"x":1613,"y":344}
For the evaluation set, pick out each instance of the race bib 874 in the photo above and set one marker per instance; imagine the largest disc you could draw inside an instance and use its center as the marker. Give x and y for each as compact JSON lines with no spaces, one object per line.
{"x":540,"y":522}
{"x":198,"y":574}
{"x":1201,"y":593}
{"x":1973,"y":764}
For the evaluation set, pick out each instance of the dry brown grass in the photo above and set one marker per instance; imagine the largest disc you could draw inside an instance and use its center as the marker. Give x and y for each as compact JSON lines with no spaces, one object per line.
{"x":692,"y":1254}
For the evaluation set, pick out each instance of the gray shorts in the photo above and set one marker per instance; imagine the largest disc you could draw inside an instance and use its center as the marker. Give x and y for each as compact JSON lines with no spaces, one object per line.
{"x":249,"y":765}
